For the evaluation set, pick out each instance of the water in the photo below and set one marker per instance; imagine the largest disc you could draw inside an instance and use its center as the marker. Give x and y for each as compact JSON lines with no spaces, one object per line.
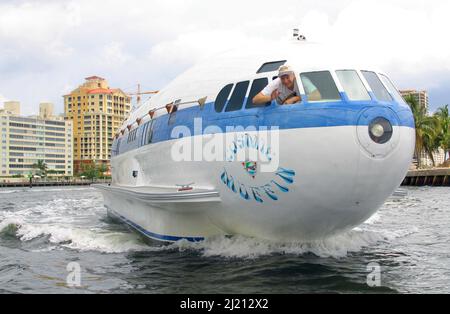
{"x":42,"y":230}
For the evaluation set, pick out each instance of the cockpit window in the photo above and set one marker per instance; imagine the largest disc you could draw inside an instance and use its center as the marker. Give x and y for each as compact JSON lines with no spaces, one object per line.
{"x":394,"y":91}
{"x":238,"y":96}
{"x":320,"y":86}
{"x":381,"y":93}
{"x":271,"y":66}
{"x":353,"y":85}
{"x":222,"y":98}
{"x":257,"y":86}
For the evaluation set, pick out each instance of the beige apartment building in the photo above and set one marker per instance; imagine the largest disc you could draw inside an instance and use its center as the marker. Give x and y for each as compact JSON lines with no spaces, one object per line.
{"x":46,"y":110}
{"x":12,"y":107}
{"x":421,"y":96}
{"x":26,"y":140}
{"x":97,"y":112}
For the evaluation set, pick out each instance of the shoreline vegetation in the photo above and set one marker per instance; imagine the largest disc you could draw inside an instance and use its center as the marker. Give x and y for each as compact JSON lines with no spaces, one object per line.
{"x":42,"y":176}
{"x":51,"y":183}
{"x":432,"y":133}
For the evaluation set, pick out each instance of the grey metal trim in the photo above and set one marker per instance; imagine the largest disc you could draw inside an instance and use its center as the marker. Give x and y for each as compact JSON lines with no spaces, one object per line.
{"x":201,"y":195}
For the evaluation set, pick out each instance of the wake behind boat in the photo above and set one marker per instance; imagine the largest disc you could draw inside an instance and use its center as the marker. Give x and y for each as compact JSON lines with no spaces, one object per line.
{"x":201,"y":159}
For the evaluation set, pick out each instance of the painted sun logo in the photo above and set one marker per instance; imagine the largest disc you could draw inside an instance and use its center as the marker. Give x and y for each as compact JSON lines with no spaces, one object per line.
{"x":251,"y":167}
{"x":272,"y":189}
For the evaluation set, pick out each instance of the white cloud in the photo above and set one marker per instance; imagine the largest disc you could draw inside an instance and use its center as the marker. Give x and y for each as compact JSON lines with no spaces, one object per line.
{"x":406,"y":39}
{"x":35,"y":24}
{"x":49,"y":45}
{"x":114,"y":55}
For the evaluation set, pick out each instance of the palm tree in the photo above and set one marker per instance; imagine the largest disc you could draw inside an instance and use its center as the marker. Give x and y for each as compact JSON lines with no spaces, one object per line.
{"x":426,"y":129}
{"x":442,"y":114}
{"x":42,"y":167}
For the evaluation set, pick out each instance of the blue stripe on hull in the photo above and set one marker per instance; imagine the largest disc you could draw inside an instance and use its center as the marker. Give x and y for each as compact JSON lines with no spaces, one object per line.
{"x":303,"y":115}
{"x":152,"y":235}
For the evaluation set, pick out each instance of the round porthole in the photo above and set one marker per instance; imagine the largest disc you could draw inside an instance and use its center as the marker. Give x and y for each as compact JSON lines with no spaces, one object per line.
{"x":380,"y":130}
{"x":377,"y":131}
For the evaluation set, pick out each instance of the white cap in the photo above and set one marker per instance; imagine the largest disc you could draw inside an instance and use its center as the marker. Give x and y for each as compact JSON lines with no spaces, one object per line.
{"x":285,"y":70}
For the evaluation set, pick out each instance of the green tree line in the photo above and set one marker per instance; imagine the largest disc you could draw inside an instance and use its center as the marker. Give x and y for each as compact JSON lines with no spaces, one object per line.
{"x":432,"y":131}
{"x":89,"y":171}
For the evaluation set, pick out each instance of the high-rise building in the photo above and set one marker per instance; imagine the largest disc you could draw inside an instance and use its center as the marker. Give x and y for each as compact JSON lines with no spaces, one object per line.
{"x":97,"y":112}
{"x":13,"y":107}
{"x":46,"y":110}
{"x":26,"y":140}
{"x":420,"y":96}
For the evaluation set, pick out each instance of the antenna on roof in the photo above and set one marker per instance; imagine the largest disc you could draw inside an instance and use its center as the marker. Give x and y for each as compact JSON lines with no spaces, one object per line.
{"x":297,"y":36}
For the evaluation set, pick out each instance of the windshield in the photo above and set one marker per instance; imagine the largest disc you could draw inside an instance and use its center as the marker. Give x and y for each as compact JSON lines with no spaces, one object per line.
{"x":392,"y":89}
{"x":353,"y":85}
{"x":381,"y":93}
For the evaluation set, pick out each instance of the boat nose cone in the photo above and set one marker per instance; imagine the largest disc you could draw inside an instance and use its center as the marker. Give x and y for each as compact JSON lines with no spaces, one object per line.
{"x":377,"y":131}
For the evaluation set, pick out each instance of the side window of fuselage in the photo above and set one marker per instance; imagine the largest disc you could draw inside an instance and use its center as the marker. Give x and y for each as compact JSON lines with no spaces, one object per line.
{"x":149,"y":133}
{"x":320,"y":86}
{"x":116,"y":151}
{"x":235,"y":102}
{"x":237,"y":98}
{"x":132,"y":136}
{"x":257,"y":86}
{"x":271,"y":66}
{"x":114,"y":148}
{"x":222,"y":98}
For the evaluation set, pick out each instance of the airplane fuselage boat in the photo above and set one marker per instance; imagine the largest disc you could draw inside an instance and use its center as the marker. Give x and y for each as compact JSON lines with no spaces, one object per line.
{"x":200,"y":159}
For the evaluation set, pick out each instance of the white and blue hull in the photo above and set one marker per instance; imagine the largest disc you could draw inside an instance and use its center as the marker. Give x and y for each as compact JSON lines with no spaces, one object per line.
{"x":336,"y":186}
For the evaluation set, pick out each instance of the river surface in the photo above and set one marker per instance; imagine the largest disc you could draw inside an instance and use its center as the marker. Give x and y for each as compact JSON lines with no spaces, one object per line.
{"x":404,"y":248}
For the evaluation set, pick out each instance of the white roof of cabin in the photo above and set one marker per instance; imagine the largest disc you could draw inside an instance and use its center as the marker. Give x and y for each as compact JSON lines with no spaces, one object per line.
{"x":210,"y":76}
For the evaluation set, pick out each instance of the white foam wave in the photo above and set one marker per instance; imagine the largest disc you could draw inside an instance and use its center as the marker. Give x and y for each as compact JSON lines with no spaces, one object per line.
{"x":9,"y":191}
{"x":251,"y":248}
{"x":96,"y":239}
{"x":66,"y":189}
{"x":77,"y":224}
{"x":77,"y":238}
{"x":73,"y":224}
{"x":400,"y":233}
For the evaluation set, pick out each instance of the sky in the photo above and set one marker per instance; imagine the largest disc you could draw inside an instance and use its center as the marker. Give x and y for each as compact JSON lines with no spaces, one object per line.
{"x":48,"y":47}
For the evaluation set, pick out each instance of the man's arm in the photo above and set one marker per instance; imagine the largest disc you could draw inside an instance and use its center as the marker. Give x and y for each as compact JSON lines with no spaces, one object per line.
{"x":292,"y":100}
{"x":261,"y":99}
{"x":269,"y":93}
